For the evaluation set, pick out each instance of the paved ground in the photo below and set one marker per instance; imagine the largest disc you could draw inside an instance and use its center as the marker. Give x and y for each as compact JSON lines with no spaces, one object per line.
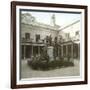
{"x":27,"y":72}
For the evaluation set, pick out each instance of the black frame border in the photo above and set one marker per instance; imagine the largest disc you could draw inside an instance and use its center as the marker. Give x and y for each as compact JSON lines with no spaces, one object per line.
{"x":13,"y":44}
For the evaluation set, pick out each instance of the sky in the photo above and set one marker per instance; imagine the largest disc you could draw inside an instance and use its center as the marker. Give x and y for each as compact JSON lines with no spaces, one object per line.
{"x":61,"y":18}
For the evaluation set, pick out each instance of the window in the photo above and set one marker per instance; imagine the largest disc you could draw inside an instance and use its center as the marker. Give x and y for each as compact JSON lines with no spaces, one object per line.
{"x":68,"y":35}
{"x":37,"y":37}
{"x":27,"y":35}
{"x":77,"y":32}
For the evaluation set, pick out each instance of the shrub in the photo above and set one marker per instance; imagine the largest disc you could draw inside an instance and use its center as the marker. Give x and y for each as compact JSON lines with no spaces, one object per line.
{"x":43,"y":63}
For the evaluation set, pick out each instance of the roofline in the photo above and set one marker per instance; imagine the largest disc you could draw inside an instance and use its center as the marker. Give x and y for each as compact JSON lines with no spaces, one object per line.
{"x":41,"y":27}
{"x":70,"y":25}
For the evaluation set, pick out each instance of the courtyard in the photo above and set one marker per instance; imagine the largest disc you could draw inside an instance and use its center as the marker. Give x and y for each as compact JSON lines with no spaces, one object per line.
{"x":27,"y":72}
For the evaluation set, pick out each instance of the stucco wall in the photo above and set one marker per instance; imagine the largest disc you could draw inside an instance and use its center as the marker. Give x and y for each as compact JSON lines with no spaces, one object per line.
{"x":71,"y":29}
{"x":33,"y":30}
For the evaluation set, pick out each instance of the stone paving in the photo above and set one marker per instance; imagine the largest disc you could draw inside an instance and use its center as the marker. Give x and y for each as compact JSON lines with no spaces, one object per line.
{"x":27,"y":72}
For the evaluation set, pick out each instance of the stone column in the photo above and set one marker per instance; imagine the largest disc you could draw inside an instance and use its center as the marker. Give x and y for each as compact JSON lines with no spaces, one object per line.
{"x":24,"y":51}
{"x":66,"y":50}
{"x":72,"y":52}
{"x":62,"y":50}
{"x":39,"y":50}
{"x":78,"y":50}
{"x":58,"y":51}
{"x":32,"y":51}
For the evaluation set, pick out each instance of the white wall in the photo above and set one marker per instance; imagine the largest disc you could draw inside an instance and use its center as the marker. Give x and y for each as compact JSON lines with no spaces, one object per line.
{"x":71,"y":29}
{"x":5,"y":45}
{"x":33,"y":30}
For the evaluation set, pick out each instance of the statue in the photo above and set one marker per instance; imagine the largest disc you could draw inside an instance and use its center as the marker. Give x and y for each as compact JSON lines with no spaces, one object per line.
{"x":47,"y":40}
{"x":50,"y":40}
{"x":55,"y":48}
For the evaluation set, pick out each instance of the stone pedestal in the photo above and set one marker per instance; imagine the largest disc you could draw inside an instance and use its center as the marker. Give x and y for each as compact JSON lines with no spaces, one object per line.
{"x":50,"y":52}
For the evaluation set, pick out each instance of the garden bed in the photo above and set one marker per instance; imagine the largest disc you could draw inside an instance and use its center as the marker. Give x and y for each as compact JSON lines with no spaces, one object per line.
{"x":49,"y":65}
